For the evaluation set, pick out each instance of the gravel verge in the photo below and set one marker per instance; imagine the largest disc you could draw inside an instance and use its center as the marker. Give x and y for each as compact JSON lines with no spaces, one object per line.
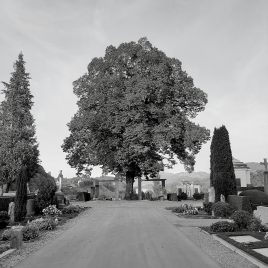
{"x":45,"y":237}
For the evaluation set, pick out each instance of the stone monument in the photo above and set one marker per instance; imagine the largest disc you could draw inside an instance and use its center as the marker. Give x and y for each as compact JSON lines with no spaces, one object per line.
{"x":59,"y":195}
{"x":222,"y":198}
{"x":11,"y":212}
{"x":211,"y":194}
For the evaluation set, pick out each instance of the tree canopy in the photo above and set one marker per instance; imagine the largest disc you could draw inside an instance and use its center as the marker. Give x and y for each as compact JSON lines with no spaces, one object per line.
{"x":222,"y":175}
{"x":18,"y":146}
{"x":135,"y":107}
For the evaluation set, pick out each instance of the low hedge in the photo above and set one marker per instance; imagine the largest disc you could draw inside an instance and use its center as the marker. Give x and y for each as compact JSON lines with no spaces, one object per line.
{"x":240,"y":202}
{"x":242,"y":219}
{"x":223,"y":226}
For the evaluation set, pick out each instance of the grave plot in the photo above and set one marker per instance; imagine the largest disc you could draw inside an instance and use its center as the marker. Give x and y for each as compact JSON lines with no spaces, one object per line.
{"x":244,"y":239}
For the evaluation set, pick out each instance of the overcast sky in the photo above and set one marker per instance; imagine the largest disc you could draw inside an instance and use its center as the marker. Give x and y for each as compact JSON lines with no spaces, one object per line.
{"x":223,"y":45}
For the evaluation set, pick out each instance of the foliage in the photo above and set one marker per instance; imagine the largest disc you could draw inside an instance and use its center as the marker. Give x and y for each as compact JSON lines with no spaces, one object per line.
{"x":29,"y":232}
{"x":222,"y":175}
{"x":6,"y":235}
{"x":256,"y":225}
{"x":242,"y":218}
{"x":222,"y":209}
{"x":4,"y":216}
{"x":182,"y":196}
{"x":208,"y":207}
{"x":44,"y":224}
{"x":256,"y":197}
{"x":18,"y":145}
{"x":71,"y":209}
{"x":21,"y":196}
{"x":198,"y":196}
{"x":223,"y":226}
{"x":134,"y":110}
{"x":51,"y":211}
{"x":240,"y":202}
{"x":46,"y":189}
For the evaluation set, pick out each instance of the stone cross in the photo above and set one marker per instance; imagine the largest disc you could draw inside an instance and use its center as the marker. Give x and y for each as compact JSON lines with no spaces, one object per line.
{"x":265,"y":163}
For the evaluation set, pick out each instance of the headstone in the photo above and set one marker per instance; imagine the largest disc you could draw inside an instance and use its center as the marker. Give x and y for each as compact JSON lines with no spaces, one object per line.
{"x":206,"y":197}
{"x":16,"y":237}
{"x":11,"y":212}
{"x":211,"y":194}
{"x":265,"y":173}
{"x":222,"y":198}
{"x":30,"y":207}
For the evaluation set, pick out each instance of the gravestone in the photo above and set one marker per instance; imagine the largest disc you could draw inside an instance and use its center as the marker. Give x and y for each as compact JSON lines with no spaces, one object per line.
{"x":222,"y":198}
{"x":30,"y":207}
{"x":211,"y":194}
{"x":16,"y":237}
{"x":11,"y":212}
{"x":206,"y":197}
{"x":265,"y":174}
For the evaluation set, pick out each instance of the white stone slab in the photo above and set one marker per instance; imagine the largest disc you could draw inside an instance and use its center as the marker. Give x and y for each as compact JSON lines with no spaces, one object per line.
{"x":263,"y":251}
{"x":244,"y":238}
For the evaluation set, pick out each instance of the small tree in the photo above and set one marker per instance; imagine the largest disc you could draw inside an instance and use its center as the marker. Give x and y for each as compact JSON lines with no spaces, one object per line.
{"x":222,"y":175}
{"x":18,"y":146}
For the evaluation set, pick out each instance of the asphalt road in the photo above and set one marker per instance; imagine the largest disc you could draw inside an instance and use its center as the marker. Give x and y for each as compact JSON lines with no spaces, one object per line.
{"x":121,"y":234}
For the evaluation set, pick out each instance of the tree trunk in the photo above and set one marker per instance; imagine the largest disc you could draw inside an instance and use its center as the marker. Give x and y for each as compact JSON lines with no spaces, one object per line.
{"x":21,"y":196}
{"x":129,"y":185}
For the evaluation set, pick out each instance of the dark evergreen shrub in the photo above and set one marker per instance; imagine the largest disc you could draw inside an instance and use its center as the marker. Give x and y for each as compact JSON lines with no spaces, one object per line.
{"x":222,"y":209}
{"x":208,"y":207}
{"x":242,"y":219}
{"x":182,"y":196}
{"x":4,"y":218}
{"x":223,"y":226}
{"x":222,"y":175}
{"x":45,"y":194}
{"x":198,"y":196}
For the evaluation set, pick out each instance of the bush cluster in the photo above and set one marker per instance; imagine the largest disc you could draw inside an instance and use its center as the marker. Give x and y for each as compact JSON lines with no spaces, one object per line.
{"x":44,"y":224}
{"x":51,"y":211}
{"x":30,"y":232}
{"x":242,"y":219}
{"x":208,"y":207}
{"x":223,"y":226}
{"x":198,"y":196}
{"x":6,"y":235}
{"x":222,"y":209}
{"x":256,"y":225}
{"x":71,"y":209}
{"x":182,"y":196}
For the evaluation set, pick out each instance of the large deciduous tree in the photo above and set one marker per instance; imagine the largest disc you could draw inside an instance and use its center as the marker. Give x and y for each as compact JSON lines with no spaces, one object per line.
{"x":135,"y":110}
{"x":222,"y":176}
{"x":18,"y":146}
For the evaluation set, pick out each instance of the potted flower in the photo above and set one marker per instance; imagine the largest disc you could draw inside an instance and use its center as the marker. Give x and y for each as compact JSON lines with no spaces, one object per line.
{"x":4,"y":218}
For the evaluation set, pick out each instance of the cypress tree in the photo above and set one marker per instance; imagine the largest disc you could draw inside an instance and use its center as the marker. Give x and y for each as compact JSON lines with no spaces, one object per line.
{"x":18,"y":146}
{"x":222,"y":176}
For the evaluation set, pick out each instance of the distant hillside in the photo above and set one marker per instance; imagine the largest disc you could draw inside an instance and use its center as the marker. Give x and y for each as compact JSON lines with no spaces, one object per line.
{"x":254,"y":166}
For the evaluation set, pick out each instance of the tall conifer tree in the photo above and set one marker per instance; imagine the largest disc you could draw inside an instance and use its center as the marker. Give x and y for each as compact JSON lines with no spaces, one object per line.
{"x":18,"y":146}
{"x":222,"y":175}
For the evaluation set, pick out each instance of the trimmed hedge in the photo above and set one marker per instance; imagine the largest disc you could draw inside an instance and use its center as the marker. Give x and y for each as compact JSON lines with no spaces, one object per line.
{"x":223,"y":226}
{"x":242,"y":218}
{"x":240,"y":202}
{"x":256,"y":197}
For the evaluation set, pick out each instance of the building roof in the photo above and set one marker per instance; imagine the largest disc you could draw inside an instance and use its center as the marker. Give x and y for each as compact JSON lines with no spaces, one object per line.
{"x":239,"y":165}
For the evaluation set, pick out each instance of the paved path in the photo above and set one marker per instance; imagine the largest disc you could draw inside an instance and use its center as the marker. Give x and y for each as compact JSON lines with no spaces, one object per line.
{"x":121,"y":234}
